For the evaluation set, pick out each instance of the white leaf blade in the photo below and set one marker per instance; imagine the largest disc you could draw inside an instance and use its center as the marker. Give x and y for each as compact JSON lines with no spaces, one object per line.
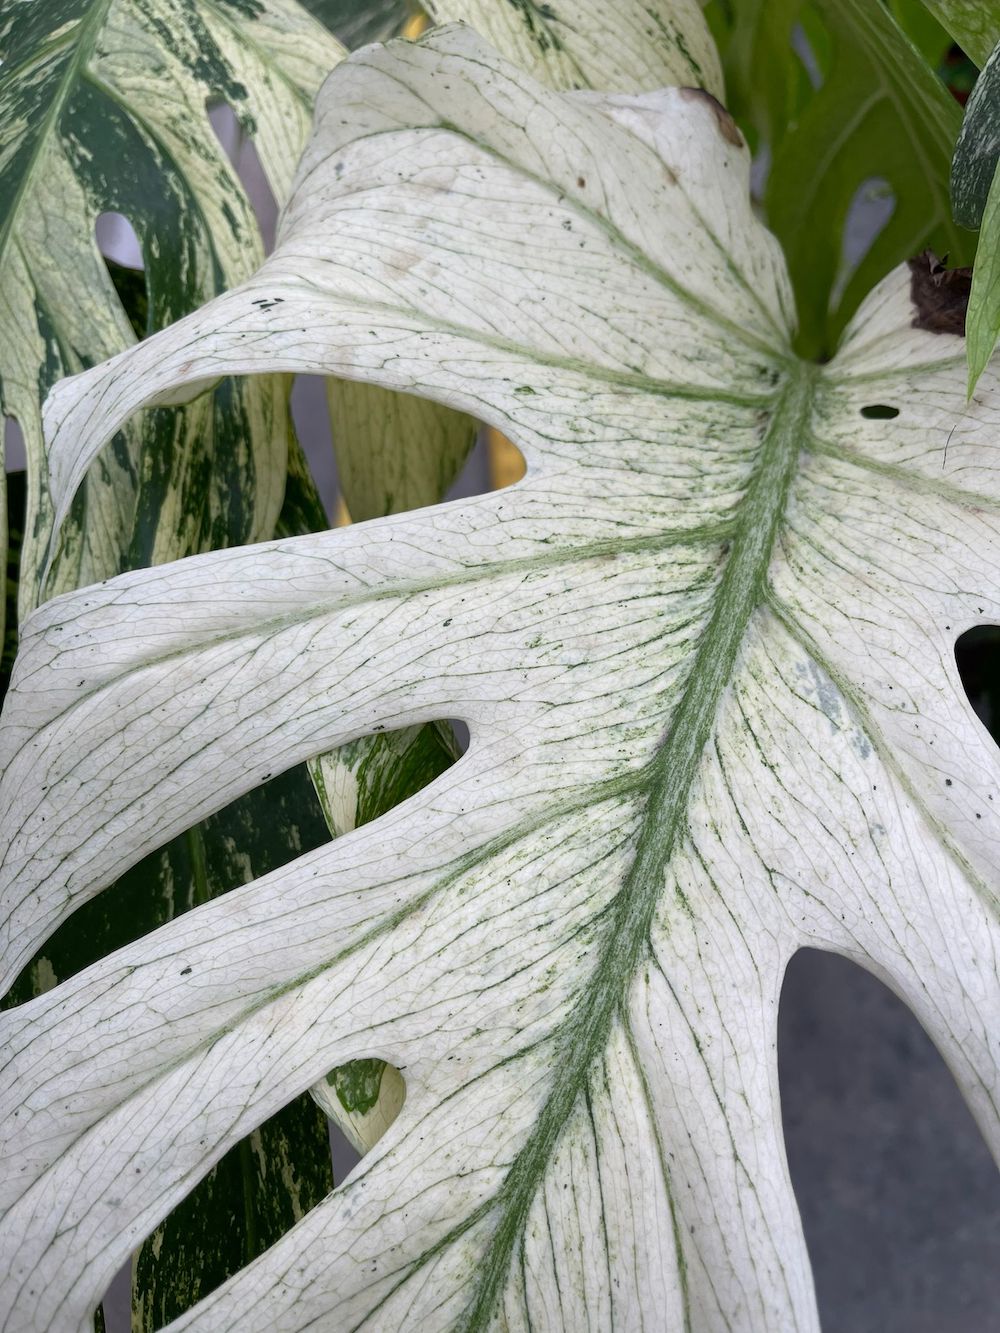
{"x":744,"y":292}
{"x":399,"y":453}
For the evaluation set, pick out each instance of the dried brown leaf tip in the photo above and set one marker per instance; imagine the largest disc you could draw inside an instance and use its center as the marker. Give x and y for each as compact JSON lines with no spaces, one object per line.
{"x":727,"y":126}
{"x":940,"y":295}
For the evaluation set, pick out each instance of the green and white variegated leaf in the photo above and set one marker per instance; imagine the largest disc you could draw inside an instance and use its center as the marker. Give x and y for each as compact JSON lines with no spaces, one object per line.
{"x":638,"y":46}
{"x":974,"y":24}
{"x":394,"y":452}
{"x":978,"y":148}
{"x":103,"y":106}
{"x":705,"y":650}
{"x":358,"y":22}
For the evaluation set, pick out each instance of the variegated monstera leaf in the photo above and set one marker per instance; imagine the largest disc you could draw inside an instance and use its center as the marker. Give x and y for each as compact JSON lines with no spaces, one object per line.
{"x":705,"y":650}
{"x":104,"y":107}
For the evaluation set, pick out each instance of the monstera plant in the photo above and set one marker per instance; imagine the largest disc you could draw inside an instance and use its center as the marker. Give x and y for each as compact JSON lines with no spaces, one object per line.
{"x":705,"y":652}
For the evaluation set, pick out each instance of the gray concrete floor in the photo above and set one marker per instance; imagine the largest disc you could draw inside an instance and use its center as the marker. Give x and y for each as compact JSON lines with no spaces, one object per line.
{"x":899,"y":1197}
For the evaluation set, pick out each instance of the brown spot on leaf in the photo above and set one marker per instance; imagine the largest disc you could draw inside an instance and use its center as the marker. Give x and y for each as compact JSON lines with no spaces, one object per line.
{"x":580,"y":182}
{"x":940,"y":295}
{"x":727,"y":126}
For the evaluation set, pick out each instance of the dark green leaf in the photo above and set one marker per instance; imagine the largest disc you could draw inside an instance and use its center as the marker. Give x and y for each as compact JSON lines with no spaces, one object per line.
{"x":923,"y":30}
{"x":974,"y":24}
{"x":880,"y":115}
{"x":982,"y":323}
{"x":978,"y":147}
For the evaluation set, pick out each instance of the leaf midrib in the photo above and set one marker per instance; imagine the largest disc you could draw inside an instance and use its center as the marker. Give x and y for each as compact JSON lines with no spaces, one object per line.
{"x":674,"y":770}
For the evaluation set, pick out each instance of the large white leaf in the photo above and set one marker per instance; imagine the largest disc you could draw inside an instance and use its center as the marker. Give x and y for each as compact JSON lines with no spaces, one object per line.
{"x":705,"y":650}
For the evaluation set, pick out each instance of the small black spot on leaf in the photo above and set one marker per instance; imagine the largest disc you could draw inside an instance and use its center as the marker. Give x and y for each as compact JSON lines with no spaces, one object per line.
{"x":879,"y":412}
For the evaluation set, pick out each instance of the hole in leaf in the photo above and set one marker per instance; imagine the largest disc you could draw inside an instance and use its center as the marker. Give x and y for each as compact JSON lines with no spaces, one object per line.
{"x":868,"y":214}
{"x":505,"y":459}
{"x":239,"y":147}
{"x":896,"y":1188}
{"x":226,"y":127}
{"x":234,"y":1213}
{"x":122,"y":254}
{"x":760,"y":171}
{"x":492,"y":463}
{"x":879,"y":412}
{"x":460,"y":732}
{"x":362,"y":1099}
{"x":977,"y":654}
{"x":117,"y":240}
{"x":810,"y":44}
{"x":15,"y":458}
{"x":17,"y":499}
{"x":312,"y":426}
{"x":368,"y":777}
{"x":114,"y":1314}
{"x":357,"y":783}
{"x":260,"y":832}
